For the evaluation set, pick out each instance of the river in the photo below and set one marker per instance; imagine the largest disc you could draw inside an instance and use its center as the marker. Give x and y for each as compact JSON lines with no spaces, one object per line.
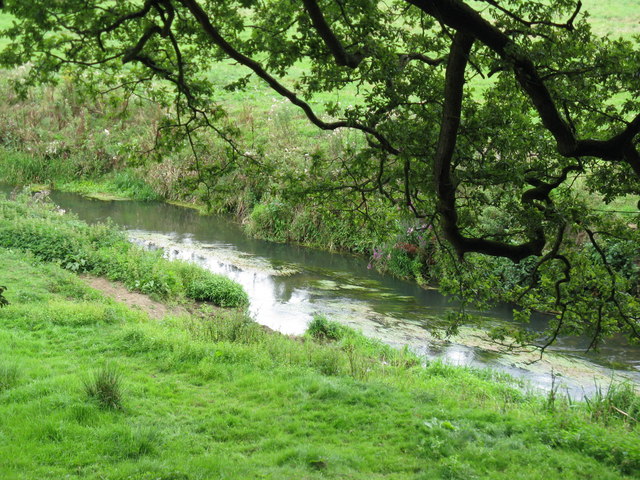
{"x":288,"y":284}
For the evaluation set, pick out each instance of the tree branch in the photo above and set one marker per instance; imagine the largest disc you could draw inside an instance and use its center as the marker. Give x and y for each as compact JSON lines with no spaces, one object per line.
{"x":342,"y":57}
{"x":445,"y":186}
{"x":212,"y":32}
{"x":462,"y":18}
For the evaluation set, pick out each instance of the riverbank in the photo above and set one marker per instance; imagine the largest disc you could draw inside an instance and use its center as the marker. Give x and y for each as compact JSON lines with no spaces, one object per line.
{"x":212,"y":396}
{"x":287,"y":286}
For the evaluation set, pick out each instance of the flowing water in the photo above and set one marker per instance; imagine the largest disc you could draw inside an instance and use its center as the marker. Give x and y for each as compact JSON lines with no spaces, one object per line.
{"x":288,"y":284}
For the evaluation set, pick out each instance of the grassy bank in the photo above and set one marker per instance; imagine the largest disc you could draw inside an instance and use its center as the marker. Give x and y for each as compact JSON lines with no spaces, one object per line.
{"x":39,"y":227}
{"x":92,"y":389}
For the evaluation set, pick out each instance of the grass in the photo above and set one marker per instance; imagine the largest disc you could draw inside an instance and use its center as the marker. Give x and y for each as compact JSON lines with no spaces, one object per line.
{"x":213,"y":396}
{"x":614,"y":17}
{"x":105,"y":387}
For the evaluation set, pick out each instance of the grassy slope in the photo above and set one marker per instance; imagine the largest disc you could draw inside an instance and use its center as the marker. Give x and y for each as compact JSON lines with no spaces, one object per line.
{"x":257,"y":407}
{"x":616,"y":17}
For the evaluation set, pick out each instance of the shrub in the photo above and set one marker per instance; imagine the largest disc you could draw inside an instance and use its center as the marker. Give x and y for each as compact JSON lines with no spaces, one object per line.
{"x":217,"y":289}
{"x":322,"y":329}
{"x":105,"y":387}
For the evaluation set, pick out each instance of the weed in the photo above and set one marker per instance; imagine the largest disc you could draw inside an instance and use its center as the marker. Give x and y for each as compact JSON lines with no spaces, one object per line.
{"x":619,"y":401}
{"x":326,"y":360}
{"x":359,"y":365}
{"x":105,"y":387}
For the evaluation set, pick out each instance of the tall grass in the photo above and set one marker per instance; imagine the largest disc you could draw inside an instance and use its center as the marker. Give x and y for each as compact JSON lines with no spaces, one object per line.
{"x":105,"y":387}
{"x":9,"y":375}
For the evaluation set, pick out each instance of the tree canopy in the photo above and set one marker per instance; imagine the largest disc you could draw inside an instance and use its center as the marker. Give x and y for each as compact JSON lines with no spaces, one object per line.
{"x":489,"y":119}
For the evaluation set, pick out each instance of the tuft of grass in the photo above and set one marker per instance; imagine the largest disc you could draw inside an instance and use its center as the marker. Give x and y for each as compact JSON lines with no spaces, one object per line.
{"x":132,"y":443}
{"x":9,"y":376}
{"x":232,"y":327}
{"x":105,"y":387}
{"x":620,"y":402}
{"x":219,"y":290}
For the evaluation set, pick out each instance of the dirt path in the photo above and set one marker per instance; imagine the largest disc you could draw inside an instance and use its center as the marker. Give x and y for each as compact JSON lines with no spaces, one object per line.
{"x":119,"y":292}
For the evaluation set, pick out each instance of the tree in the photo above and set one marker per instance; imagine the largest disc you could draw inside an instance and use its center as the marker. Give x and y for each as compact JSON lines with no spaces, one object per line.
{"x":488,"y":119}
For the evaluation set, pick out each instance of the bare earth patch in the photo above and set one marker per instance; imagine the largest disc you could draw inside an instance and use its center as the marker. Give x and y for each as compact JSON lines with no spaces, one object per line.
{"x":119,"y":292}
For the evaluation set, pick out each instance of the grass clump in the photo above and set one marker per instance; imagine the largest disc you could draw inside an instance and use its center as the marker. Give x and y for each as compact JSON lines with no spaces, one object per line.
{"x":619,"y":401}
{"x":105,"y":387}
{"x":219,"y":290}
{"x":9,"y":376}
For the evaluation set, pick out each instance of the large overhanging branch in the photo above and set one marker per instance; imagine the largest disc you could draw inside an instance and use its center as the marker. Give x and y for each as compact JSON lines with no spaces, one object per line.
{"x":341,"y":55}
{"x":445,"y":185}
{"x":459,"y":16}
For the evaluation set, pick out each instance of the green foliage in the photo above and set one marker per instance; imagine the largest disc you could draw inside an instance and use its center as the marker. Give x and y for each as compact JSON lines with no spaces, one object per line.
{"x":618,"y":401}
{"x":270,"y":220}
{"x":132,"y":185}
{"x":219,"y":290}
{"x":411,"y":255}
{"x":105,"y":387}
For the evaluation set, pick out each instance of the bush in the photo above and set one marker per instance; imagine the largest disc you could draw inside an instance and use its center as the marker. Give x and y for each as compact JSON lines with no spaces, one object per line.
{"x":322,"y":329}
{"x":219,"y":290}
